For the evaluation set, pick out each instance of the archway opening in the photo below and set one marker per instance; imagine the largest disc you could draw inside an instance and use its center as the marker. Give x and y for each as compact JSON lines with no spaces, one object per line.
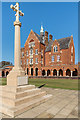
{"x":3,"y":74}
{"x":36,"y":71}
{"x":32,"y":71}
{"x":54,"y":72}
{"x":68,"y":72}
{"x":7,"y":73}
{"x":60,"y":72}
{"x":48,"y":72}
{"x":43,"y":72}
{"x":75,"y":73}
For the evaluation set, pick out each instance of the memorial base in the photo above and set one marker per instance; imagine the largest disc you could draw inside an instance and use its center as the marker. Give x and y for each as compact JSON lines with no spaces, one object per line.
{"x":14,"y":76}
{"x":16,"y":100}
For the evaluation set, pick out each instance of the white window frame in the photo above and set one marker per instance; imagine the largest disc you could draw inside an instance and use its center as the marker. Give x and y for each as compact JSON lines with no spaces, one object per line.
{"x":42,"y":52}
{"x":36,"y":51}
{"x":41,"y":60}
{"x":58,"y":58}
{"x":27,"y":52}
{"x":71,"y":58}
{"x":30,"y":51}
{"x":31,"y":62}
{"x":52,"y":59}
{"x":27,"y":61}
{"x":31,"y":44}
{"x":72,"y":49}
{"x":22,"y":54}
{"x":36,"y":60}
{"x":56,"y":50}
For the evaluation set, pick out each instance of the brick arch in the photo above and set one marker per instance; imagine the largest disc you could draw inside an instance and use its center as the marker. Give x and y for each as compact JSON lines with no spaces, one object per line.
{"x":43,"y":72}
{"x":31,"y":40}
{"x":7,"y":72}
{"x":68,"y":72}
{"x":48,"y":72}
{"x":60,"y":72}
{"x":55,"y":72}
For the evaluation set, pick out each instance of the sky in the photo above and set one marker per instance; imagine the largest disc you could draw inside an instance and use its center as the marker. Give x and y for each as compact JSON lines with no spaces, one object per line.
{"x":58,"y":18}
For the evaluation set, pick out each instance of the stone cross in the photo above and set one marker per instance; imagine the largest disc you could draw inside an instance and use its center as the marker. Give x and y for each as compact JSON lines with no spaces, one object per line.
{"x":18,"y":12}
{"x":17,"y":24}
{"x":17,"y":73}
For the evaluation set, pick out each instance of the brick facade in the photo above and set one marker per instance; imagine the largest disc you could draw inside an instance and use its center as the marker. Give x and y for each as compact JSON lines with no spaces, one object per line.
{"x":41,"y":56}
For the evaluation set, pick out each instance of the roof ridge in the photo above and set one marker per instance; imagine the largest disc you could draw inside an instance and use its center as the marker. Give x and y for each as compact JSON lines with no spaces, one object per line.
{"x":63,"y":38}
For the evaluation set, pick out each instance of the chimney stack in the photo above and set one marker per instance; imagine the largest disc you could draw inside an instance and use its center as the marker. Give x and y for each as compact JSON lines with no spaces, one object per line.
{"x":50,"y":37}
{"x":46,"y":38}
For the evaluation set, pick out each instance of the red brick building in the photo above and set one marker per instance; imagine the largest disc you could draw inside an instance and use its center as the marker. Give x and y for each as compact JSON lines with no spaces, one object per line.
{"x":43,"y":56}
{"x":4,"y":71}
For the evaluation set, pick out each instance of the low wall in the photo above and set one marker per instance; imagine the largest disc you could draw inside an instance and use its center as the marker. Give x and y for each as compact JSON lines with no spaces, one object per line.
{"x":55,"y":77}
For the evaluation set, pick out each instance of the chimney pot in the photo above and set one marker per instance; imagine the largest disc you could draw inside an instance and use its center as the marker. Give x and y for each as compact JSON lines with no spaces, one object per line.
{"x":50,"y":37}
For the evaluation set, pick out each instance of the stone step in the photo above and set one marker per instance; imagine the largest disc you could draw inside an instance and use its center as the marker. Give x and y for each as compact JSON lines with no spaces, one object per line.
{"x":29,"y":98}
{"x":15,"y":102}
{"x":23,"y":107}
{"x":19,"y":94}
{"x":16,"y":89}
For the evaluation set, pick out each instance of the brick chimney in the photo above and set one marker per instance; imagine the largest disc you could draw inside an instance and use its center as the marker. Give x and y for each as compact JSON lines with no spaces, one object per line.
{"x":50,"y":37}
{"x":46,"y":38}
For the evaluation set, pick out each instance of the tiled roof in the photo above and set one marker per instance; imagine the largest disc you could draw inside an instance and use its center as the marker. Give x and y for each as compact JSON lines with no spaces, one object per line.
{"x":63,"y":42}
{"x":39,"y":37}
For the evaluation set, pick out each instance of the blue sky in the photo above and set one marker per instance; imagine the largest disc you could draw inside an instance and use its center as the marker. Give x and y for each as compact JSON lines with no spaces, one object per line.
{"x":59,"y":18}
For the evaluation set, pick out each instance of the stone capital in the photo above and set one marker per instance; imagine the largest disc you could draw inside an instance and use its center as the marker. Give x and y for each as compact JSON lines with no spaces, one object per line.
{"x":17,"y":23}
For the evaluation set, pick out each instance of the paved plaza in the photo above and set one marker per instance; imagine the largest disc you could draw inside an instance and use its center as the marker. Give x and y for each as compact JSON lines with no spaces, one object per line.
{"x":63,"y":104}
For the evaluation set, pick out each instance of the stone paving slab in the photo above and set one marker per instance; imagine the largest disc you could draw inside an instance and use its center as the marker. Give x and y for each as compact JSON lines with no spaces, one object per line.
{"x":63,"y":104}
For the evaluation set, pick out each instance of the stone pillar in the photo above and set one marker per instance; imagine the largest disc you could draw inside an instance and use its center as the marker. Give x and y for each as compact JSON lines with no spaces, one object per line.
{"x":64,"y":73}
{"x":52,"y":73}
{"x":57,"y":73}
{"x":45,"y":73}
{"x":17,"y":71}
{"x":71,"y":73}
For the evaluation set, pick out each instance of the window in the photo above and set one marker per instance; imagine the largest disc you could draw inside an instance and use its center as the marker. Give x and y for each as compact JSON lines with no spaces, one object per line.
{"x":71,"y":58}
{"x":36,"y":51}
{"x":52,"y":58}
{"x":21,"y":62}
{"x":41,"y":52}
{"x":72,"y":49}
{"x":55,"y":48}
{"x":36,"y":60}
{"x":31,"y":61}
{"x":27,"y":61}
{"x":58,"y":58}
{"x":22,"y":54}
{"x":31,"y":44}
{"x":31,"y":51}
{"x":41,"y":60}
{"x":27,"y":53}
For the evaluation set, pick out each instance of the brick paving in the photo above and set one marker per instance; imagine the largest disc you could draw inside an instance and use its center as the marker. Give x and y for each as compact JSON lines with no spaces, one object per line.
{"x":63,"y":104}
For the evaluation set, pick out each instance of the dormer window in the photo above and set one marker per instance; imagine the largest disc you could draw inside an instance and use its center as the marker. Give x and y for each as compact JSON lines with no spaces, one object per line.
{"x":55,"y":48}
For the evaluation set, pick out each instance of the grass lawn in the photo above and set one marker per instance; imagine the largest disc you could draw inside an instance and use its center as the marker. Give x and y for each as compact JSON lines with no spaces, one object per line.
{"x":51,"y":83}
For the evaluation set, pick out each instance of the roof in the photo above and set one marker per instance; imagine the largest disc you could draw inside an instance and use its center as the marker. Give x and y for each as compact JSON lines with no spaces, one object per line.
{"x":63,"y":42}
{"x":4,"y":67}
{"x":39,"y":37}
